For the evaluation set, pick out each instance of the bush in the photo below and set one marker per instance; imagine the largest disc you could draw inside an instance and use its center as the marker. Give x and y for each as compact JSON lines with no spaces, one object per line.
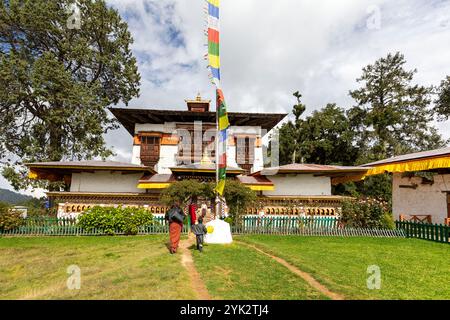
{"x":229,"y":220}
{"x":112,"y":220}
{"x":183,"y":191}
{"x":9,"y":219}
{"x":367,"y":213}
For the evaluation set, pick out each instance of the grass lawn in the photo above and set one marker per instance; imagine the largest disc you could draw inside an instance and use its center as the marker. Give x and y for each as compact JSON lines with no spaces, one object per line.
{"x":111,"y":268}
{"x":410,"y":268}
{"x":237,"y":272}
{"x":141,"y":268}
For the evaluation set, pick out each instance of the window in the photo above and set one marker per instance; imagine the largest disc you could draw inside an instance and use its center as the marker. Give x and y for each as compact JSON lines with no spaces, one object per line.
{"x":245,"y":152}
{"x":150,"y":146}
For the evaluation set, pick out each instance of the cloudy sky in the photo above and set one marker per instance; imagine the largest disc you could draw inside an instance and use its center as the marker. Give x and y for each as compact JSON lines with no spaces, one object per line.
{"x":269,"y":49}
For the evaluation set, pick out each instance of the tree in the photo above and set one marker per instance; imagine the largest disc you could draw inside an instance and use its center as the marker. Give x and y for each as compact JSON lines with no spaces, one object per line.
{"x":56,"y":81}
{"x":443,"y":100}
{"x":238,"y":197}
{"x":396,"y":113}
{"x":183,"y":191}
{"x":325,"y":137}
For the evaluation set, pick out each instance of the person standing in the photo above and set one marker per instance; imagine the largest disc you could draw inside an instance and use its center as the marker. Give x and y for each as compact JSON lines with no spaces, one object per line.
{"x":199,"y":230}
{"x":193,"y":210}
{"x":175,"y":216}
{"x":204,"y":210}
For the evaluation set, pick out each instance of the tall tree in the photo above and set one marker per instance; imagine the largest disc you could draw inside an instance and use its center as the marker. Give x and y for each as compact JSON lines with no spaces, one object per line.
{"x":396,"y":113}
{"x":60,"y":67}
{"x":290,"y":133}
{"x":327,"y":137}
{"x":443,"y":100}
{"x":324,"y":137}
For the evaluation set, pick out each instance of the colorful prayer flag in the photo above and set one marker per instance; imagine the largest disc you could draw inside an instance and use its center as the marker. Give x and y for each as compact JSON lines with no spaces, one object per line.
{"x":214,"y":66}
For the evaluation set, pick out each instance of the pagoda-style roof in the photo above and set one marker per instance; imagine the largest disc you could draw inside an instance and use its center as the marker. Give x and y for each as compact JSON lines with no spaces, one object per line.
{"x":444,"y":152}
{"x":433,"y":160}
{"x":257,"y":183}
{"x":129,"y":117}
{"x":156,"y":181}
{"x":317,"y":169}
{"x":56,"y":170}
{"x":338,"y":174}
{"x":89,"y":165}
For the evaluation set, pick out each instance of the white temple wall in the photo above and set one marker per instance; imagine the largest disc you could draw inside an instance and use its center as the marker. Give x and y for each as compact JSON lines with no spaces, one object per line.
{"x":105,"y":181}
{"x":136,"y":155}
{"x":299,"y":185}
{"x":166,"y":159}
{"x":254,"y":130}
{"x":258,"y":163}
{"x":231,"y":156}
{"x":426,"y":199}
{"x":167,"y":127}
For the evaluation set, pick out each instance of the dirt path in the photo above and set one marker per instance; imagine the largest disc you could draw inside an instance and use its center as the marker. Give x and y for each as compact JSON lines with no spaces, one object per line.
{"x":187,"y":261}
{"x":306,"y":276}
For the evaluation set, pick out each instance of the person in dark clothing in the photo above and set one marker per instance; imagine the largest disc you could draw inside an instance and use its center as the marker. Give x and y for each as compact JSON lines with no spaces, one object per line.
{"x":175,"y":217}
{"x":199,"y":230}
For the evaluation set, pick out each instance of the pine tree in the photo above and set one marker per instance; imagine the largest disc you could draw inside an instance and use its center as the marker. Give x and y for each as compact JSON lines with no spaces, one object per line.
{"x":443,"y":100}
{"x":396,"y":113}
{"x":59,"y":70}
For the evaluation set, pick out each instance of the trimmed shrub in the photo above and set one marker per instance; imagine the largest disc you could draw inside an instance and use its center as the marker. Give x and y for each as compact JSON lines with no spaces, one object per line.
{"x":9,"y":219}
{"x":112,"y":220}
{"x":367,"y":213}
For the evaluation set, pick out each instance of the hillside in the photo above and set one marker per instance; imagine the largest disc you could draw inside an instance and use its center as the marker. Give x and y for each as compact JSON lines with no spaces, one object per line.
{"x":13,"y":197}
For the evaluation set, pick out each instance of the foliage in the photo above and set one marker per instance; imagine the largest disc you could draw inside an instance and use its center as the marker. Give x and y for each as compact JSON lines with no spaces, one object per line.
{"x":111,"y":220}
{"x":392,"y":116}
{"x":36,"y":208}
{"x":325,"y":137}
{"x":229,"y":220}
{"x":56,"y":82}
{"x":443,"y":100}
{"x":9,"y":219}
{"x":238,"y":197}
{"x":367,"y":213}
{"x":379,"y":187}
{"x":183,"y":191}
{"x":396,"y":113}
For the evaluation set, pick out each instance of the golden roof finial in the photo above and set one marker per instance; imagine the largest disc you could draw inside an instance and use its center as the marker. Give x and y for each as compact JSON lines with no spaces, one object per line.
{"x":199,"y":97}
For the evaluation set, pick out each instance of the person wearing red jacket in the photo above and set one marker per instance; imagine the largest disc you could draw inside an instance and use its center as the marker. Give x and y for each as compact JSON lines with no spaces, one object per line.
{"x":193,"y":210}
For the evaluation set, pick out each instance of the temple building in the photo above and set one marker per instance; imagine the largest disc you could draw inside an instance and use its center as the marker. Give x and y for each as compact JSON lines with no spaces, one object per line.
{"x":420,"y":185}
{"x":174,"y":145}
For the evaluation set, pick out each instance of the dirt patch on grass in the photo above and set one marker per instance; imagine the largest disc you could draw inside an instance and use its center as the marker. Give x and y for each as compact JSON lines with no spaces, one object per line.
{"x":304,"y":275}
{"x":187,"y":261}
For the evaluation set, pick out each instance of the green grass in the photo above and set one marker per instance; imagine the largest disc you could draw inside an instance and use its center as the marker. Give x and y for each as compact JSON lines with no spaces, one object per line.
{"x":141,"y":268}
{"x":237,"y":272}
{"x":111,"y":268}
{"x":410,"y":268}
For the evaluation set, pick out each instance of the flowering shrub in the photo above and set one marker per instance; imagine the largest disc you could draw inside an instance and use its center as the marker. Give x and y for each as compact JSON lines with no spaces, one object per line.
{"x":367,"y":213}
{"x":9,"y":219}
{"x":112,"y":220}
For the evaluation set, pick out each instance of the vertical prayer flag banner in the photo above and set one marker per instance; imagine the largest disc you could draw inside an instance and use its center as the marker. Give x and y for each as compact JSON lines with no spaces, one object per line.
{"x":222,"y":117}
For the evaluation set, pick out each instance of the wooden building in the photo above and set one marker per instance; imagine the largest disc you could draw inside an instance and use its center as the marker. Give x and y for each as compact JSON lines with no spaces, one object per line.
{"x":173,"y":145}
{"x":420,"y":185}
